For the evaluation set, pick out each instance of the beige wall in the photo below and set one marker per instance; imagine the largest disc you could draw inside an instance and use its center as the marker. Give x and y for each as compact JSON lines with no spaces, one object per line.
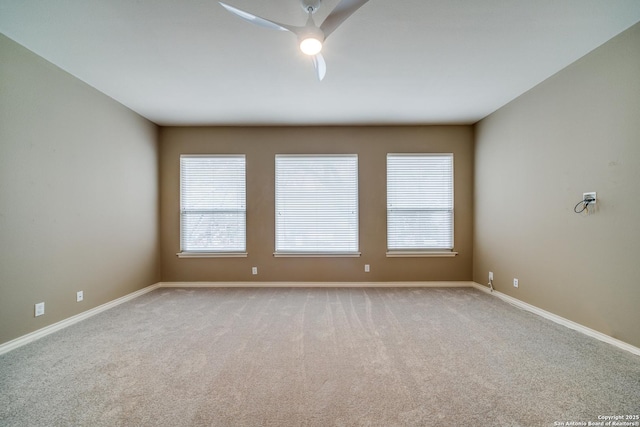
{"x":78,"y":195}
{"x":576,"y":132}
{"x":261,"y":144}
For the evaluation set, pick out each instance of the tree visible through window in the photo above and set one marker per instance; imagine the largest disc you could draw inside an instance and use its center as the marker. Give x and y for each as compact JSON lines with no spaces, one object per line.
{"x":212,"y":203}
{"x":317,"y":204}
{"x":419,"y":202}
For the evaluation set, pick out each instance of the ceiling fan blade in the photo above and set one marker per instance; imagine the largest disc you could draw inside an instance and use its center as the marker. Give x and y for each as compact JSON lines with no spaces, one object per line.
{"x":320,"y":65}
{"x":339,"y":14}
{"x":265,"y":23}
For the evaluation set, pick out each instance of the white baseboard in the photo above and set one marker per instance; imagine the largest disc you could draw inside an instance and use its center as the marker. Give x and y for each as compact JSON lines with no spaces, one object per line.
{"x":560,"y":320}
{"x":25,"y":339}
{"x":443,"y":284}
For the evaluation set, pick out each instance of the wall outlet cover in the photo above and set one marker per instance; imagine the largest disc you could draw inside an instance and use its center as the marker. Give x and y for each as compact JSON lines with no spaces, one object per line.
{"x":590,"y":196}
{"x":39,"y":311}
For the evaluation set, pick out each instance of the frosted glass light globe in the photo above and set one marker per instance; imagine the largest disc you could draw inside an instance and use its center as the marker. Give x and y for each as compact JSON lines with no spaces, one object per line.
{"x":311,"y":46}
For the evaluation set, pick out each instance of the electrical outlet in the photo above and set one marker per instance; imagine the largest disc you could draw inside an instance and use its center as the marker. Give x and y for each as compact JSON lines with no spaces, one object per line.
{"x":39,"y":309}
{"x":79,"y":296}
{"x":254,"y":270}
{"x":491,"y":275}
{"x":515,"y":283}
{"x":366,"y":268}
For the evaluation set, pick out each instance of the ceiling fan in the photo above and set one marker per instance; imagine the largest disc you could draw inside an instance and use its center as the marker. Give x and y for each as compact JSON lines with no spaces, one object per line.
{"x":310,"y":36}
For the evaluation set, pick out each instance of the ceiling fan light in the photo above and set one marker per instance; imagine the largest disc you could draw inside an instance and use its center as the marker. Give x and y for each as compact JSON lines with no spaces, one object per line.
{"x":311,"y":46}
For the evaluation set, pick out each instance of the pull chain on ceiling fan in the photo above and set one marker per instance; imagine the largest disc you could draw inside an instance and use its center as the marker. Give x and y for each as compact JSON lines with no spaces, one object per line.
{"x":310,"y":37}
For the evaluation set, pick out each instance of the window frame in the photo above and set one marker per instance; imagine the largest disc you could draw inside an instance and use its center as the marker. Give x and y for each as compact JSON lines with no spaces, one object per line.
{"x":317,"y":253}
{"x":422,"y":251}
{"x":211,"y":253}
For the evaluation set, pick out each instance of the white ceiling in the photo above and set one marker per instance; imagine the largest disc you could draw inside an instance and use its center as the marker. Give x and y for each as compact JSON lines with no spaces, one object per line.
{"x":190,"y":62}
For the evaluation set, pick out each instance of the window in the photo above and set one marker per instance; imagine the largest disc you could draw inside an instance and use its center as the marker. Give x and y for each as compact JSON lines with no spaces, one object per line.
{"x":212,"y":205}
{"x":317,"y":205}
{"x":419,"y":203}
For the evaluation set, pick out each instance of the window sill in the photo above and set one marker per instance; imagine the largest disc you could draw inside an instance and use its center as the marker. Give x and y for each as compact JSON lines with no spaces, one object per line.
{"x":316,"y":254}
{"x":212,"y":254}
{"x":421,"y":254}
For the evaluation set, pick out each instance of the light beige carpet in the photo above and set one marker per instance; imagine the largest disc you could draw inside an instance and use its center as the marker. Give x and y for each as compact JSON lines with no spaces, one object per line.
{"x":316,"y":357}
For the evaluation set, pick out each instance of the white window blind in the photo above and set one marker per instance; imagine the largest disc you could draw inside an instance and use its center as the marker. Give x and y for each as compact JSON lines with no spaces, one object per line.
{"x":212,"y":203}
{"x":419,"y":202}
{"x":317,"y":204}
